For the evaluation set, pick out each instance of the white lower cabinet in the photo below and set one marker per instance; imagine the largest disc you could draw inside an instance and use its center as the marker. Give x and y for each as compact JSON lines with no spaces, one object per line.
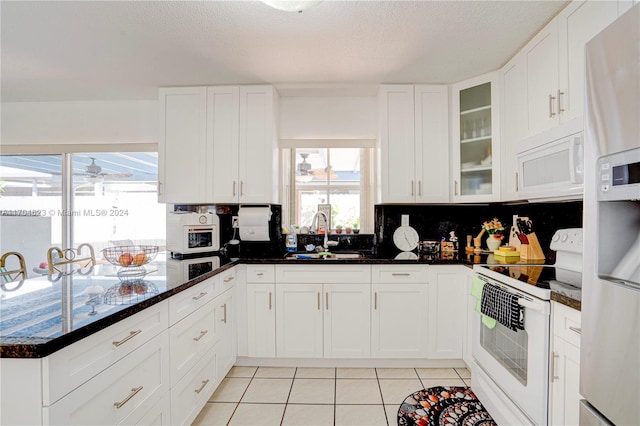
{"x":399,"y":324}
{"x":299,"y":320}
{"x":120,"y":394}
{"x":261,"y":320}
{"x":447,"y":312}
{"x":564,"y":392}
{"x":347,"y":325}
{"x":323,"y":311}
{"x":225,"y":331}
{"x":191,"y":393}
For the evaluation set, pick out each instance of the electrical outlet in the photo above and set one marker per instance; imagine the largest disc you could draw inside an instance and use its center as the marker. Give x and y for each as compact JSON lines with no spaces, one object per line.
{"x":234,"y":222}
{"x":404,"y":220}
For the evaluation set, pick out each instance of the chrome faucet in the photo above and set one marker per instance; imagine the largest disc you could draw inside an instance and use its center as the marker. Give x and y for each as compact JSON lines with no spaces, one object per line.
{"x":315,"y":225}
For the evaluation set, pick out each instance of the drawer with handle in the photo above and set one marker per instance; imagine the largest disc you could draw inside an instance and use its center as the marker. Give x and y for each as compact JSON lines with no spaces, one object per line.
{"x":190,"y":339}
{"x":227,"y":279}
{"x":72,"y":366}
{"x":187,"y":301}
{"x":191,"y":393}
{"x":567,"y":323}
{"x":416,"y":274}
{"x":257,"y":274}
{"x":132,"y":385}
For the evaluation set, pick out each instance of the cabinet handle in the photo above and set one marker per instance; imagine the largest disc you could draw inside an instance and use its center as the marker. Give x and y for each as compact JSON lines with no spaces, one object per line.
{"x":400,"y":274}
{"x":133,"y":393}
{"x":204,"y":383}
{"x":241,"y":188}
{"x":231,"y":278}
{"x":419,"y":188}
{"x":326,"y":301}
{"x":553,"y":368}
{"x":576,"y":330}
{"x":517,"y":183}
{"x":202,"y":333}
{"x":455,"y":187}
{"x":375,"y":300}
{"x":560,"y":109}
{"x":270,"y":305}
{"x":224,"y":310}
{"x":200,"y":296}
{"x":259,"y":274}
{"x":131,"y":335}
{"x":412,"y":189}
{"x":551,"y":99}
{"x":234,"y":188}
{"x":318,"y":300}
{"x":159,"y":188}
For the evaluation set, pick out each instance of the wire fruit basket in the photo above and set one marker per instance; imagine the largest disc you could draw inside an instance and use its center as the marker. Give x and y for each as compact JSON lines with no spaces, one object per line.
{"x":131,"y":260}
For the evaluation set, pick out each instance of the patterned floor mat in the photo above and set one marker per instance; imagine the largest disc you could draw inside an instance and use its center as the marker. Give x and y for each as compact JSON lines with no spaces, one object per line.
{"x":438,"y":406}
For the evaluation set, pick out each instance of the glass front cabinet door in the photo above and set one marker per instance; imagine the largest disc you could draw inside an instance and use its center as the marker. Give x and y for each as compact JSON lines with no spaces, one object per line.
{"x":475,"y":135}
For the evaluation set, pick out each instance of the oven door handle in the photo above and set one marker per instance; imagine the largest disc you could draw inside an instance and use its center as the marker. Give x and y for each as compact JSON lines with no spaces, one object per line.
{"x":539,"y":307}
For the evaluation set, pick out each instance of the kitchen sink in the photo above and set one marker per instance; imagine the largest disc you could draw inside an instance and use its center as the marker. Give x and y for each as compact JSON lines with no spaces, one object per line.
{"x":323,"y":255}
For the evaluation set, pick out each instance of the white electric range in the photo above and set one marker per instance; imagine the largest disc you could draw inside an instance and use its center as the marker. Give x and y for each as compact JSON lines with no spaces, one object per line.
{"x":511,"y":368}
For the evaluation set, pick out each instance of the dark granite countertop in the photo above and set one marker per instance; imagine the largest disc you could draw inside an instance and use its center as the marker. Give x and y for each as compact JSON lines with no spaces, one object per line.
{"x":44,"y":314}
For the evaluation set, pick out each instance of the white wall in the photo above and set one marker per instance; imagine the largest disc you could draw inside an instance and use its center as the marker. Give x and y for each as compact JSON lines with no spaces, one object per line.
{"x":81,"y":122}
{"x":340,"y":117}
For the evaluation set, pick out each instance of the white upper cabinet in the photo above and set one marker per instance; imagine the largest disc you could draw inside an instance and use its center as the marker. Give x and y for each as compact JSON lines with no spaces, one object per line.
{"x":258,"y":145}
{"x":513,"y":123}
{"x":554,"y":63}
{"x":413,"y":137}
{"x":182,"y":145}
{"x":223,"y":126}
{"x":475,"y":139}
{"x":218,"y":144}
{"x":578,"y":23}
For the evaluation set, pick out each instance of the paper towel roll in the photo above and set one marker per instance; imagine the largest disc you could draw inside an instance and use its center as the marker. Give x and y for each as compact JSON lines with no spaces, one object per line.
{"x":254,"y":223}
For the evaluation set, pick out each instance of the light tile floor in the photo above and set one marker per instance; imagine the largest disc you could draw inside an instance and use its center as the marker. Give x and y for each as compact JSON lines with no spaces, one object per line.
{"x":320,"y":396}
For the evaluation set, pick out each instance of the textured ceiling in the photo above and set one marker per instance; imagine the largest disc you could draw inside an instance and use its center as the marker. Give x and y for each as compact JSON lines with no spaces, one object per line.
{"x":90,"y":50}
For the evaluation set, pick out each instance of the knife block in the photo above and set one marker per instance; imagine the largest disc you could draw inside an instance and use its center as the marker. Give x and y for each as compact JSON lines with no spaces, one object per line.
{"x":532,"y":250}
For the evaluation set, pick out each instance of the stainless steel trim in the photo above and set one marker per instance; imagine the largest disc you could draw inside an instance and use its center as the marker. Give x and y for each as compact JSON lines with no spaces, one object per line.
{"x":202,"y":333}
{"x":553,"y":367}
{"x":204,"y":383}
{"x":133,"y":393}
{"x":131,"y":335}
{"x":200,"y":296}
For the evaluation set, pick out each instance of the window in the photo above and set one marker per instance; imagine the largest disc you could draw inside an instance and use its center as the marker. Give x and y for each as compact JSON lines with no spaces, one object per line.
{"x":337,"y":176}
{"x":64,"y":200}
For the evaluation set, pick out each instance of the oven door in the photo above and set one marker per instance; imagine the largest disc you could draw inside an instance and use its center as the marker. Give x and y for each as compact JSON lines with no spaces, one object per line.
{"x":517,"y":361}
{"x":181,"y":271}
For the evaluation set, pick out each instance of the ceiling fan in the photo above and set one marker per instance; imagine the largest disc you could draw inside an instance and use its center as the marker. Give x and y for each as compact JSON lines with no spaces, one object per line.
{"x":93,"y":173}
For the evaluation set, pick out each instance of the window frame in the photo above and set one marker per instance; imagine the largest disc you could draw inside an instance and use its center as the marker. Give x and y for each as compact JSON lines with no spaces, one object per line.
{"x":367,"y":184}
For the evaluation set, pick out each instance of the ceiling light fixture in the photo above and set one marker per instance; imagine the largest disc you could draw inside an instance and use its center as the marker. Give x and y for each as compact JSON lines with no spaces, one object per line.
{"x":292,"y":5}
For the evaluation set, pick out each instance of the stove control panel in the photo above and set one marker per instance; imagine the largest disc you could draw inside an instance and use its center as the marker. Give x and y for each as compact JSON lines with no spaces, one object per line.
{"x":567,"y":240}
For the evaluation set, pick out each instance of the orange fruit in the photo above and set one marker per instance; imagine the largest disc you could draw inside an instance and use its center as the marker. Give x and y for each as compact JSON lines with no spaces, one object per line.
{"x":139,"y":259}
{"x":125,"y":259}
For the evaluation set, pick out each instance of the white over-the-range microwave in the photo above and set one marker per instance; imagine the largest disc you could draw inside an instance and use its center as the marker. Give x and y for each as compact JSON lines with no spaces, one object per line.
{"x":555,"y":167}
